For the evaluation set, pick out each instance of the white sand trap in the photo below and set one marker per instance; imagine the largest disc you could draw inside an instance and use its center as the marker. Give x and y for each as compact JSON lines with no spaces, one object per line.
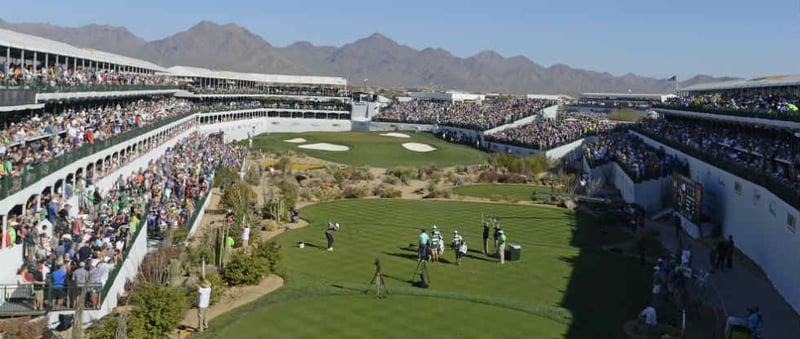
{"x":396,"y":135}
{"x":326,"y":147}
{"x":296,"y":140}
{"x":417,"y":147}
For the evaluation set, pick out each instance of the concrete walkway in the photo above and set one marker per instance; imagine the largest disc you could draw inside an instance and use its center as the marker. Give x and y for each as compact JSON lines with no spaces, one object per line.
{"x":738,"y":288}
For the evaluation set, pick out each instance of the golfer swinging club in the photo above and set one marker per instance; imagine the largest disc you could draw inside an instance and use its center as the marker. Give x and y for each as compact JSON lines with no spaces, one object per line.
{"x":329,"y":234}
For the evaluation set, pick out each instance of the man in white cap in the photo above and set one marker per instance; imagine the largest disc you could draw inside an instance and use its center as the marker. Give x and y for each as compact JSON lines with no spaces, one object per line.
{"x":501,"y":246}
{"x":436,"y":239}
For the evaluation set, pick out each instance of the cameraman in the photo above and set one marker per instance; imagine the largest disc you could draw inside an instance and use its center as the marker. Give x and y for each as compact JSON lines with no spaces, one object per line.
{"x":424,"y":239}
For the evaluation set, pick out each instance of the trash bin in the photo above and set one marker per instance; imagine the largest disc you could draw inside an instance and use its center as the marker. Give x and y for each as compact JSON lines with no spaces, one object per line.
{"x":512,"y":252}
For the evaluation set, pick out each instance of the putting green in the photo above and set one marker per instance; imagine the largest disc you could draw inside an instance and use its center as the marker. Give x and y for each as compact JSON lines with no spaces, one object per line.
{"x":373,"y":149}
{"x":564,"y":286}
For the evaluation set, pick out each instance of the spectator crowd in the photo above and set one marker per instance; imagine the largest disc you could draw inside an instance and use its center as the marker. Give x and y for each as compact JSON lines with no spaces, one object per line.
{"x":320,"y":91}
{"x":776,"y":103}
{"x":39,"y":138}
{"x":638,"y":159}
{"x":475,"y":116}
{"x":544,"y":134}
{"x":67,"y":250}
{"x":769,"y":152}
{"x":61,"y":75}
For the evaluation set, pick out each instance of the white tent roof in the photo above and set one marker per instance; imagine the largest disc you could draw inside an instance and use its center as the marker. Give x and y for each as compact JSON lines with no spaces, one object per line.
{"x":196,"y":72}
{"x":34,"y":43}
{"x":770,"y":81}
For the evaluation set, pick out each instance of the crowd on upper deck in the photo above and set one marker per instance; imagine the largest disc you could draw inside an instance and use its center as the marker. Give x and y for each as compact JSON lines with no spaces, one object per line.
{"x":544,"y":134}
{"x":476,"y":116}
{"x":61,"y":75}
{"x":774,"y":103}
{"x":771,"y":152}
{"x":35,"y":139}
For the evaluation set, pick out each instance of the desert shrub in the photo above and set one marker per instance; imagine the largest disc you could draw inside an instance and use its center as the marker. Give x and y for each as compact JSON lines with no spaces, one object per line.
{"x":160,"y":308}
{"x":489,"y":177}
{"x":285,"y":163}
{"x":252,"y":176}
{"x":440,"y":193}
{"x":403,"y":171}
{"x":428,"y":172}
{"x":155,"y":267}
{"x":107,"y":327}
{"x":458,"y":181}
{"x":328,"y":193}
{"x":495,"y":197}
{"x":225,"y":175}
{"x":354,"y":192}
{"x":238,"y":197}
{"x":306,"y":194}
{"x":361,"y":173}
{"x":513,"y":178}
{"x":289,"y":191}
{"x":24,"y":328}
{"x":384,"y":191}
{"x":205,"y":248}
{"x":269,"y":250}
{"x":243,"y":269}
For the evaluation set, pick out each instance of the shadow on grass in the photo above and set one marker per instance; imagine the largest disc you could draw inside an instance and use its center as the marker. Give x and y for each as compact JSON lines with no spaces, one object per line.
{"x":605,"y":289}
{"x":309,"y":244}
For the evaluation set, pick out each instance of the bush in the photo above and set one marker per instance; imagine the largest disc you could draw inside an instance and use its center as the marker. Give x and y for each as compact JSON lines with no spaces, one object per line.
{"x":384,"y":191}
{"x":24,"y":328}
{"x":252,"y":176}
{"x":160,"y":308}
{"x":354,"y":192}
{"x":225,"y":175}
{"x":107,"y":327}
{"x":513,"y":178}
{"x":238,"y":197}
{"x":361,"y":173}
{"x":269,"y":250}
{"x":402,"y":171}
{"x":290,"y":190}
{"x":489,"y":177}
{"x":244,"y":269}
{"x":496,"y":197}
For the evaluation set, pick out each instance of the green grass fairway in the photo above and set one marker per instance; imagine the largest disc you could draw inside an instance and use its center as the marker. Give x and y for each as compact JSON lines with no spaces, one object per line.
{"x":565,"y":286}
{"x":503,"y":191}
{"x":372,"y":149}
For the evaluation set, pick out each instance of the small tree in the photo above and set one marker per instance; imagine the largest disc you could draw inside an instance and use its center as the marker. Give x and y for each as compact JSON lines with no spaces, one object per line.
{"x":244,"y":269}
{"x":160,"y":307}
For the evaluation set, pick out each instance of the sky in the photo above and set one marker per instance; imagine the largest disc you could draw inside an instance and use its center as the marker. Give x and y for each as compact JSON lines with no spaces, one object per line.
{"x":741,"y":38}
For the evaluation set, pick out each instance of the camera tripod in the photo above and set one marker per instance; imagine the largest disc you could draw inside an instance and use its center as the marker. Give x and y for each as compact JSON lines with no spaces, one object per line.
{"x":422,"y":270}
{"x":379,"y":284}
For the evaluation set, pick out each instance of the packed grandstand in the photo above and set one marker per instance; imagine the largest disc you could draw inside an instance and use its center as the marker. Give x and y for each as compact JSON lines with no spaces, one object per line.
{"x":57,"y":217}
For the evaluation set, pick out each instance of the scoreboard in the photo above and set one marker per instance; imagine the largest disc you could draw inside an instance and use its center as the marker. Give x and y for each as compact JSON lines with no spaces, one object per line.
{"x":687,"y":197}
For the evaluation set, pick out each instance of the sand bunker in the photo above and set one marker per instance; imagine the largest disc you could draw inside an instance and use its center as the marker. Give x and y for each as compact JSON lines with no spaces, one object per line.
{"x":296,"y":140}
{"x":326,"y":147}
{"x":417,"y":147}
{"x":396,"y":135}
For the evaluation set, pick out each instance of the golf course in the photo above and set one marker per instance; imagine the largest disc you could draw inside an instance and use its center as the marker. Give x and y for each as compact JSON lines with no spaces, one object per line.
{"x":567,"y":284}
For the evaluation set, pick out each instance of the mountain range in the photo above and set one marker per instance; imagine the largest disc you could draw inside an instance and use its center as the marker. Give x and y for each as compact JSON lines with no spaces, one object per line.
{"x":377,"y":58}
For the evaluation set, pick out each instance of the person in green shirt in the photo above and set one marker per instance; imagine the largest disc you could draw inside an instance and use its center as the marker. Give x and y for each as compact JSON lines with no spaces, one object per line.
{"x":12,"y":234}
{"x":501,"y":246}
